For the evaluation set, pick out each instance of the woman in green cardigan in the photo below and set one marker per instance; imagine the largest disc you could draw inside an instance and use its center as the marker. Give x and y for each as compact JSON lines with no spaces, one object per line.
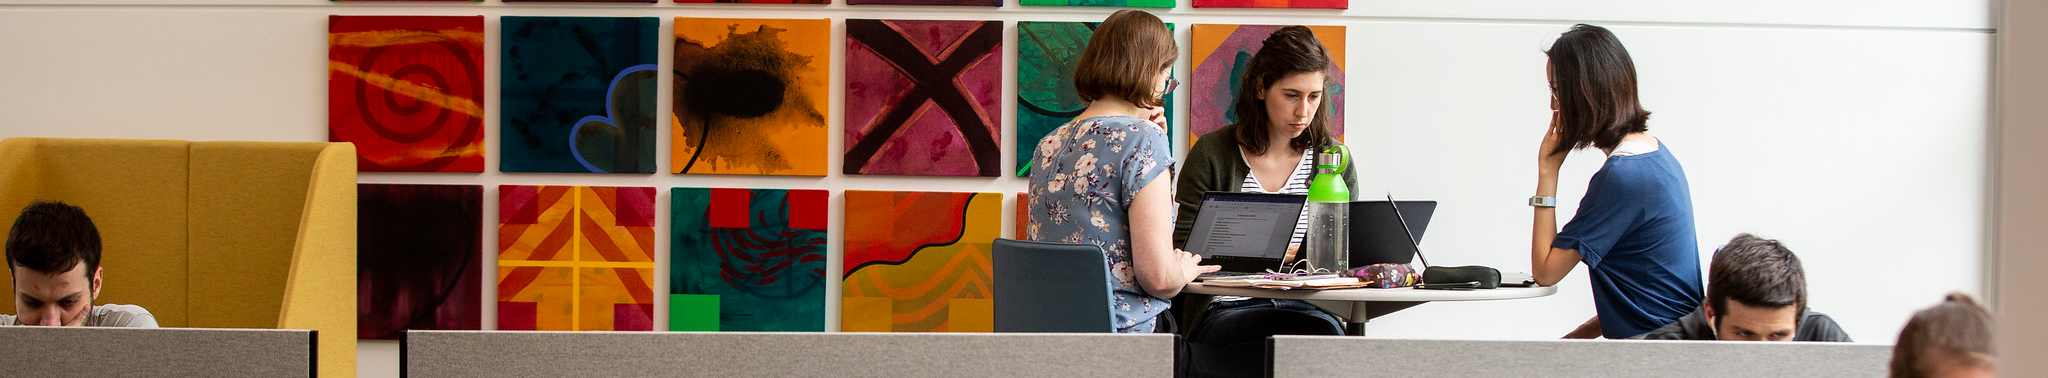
{"x":1283,"y":111}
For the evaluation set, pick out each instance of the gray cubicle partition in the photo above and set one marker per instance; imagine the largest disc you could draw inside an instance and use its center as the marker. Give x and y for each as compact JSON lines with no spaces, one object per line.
{"x":1327,"y":356}
{"x":773,"y":354}
{"x":156,"y":352}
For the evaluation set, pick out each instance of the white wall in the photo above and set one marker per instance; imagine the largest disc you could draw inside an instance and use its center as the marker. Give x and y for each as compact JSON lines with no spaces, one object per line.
{"x":1855,"y":131}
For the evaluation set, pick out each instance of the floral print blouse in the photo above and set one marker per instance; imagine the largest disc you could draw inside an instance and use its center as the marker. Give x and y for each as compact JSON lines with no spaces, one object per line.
{"x":1087,"y":175}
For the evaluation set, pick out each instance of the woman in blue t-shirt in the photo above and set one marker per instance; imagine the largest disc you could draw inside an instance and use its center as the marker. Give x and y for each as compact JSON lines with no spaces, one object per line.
{"x":1106,"y":179}
{"x":1634,"y":228}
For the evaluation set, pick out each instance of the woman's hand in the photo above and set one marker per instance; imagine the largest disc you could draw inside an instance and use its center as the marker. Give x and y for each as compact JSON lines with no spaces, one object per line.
{"x":1548,"y":161}
{"x":1158,"y":117}
{"x":1191,"y":264}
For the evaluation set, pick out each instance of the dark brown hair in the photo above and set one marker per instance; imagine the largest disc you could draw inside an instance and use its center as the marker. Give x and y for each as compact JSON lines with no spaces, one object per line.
{"x":1956,"y":330}
{"x":53,"y":237}
{"x":1757,"y":272}
{"x":1288,"y":51}
{"x":1594,"y":81}
{"x":1127,"y":51}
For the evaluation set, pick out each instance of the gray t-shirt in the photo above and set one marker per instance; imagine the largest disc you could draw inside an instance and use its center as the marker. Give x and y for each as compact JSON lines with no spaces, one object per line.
{"x":108,"y":315}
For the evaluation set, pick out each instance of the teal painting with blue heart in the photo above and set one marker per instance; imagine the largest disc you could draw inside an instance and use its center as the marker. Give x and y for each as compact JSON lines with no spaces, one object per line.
{"x":577,"y":94}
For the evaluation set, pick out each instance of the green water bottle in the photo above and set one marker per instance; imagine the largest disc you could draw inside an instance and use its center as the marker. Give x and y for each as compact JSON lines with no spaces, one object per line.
{"x":1329,"y":205}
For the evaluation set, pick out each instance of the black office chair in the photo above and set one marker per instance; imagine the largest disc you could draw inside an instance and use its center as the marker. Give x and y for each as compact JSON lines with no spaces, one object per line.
{"x":1051,"y":287}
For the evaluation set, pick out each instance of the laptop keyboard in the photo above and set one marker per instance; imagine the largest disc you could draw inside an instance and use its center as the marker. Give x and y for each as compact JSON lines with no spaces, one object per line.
{"x":1217,"y":275}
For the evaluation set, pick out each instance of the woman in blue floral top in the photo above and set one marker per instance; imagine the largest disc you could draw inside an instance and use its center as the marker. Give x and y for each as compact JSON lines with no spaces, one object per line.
{"x":1098,"y":179}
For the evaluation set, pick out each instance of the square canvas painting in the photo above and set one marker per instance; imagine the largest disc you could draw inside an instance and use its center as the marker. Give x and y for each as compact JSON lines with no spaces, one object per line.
{"x":575,"y":258}
{"x":747,"y":259}
{"x":419,"y":259}
{"x":1023,"y":216}
{"x":983,"y":3}
{"x":751,"y":96}
{"x":922,"y":97}
{"x":1104,"y":3}
{"x":1222,"y":52}
{"x":408,"y":91}
{"x":1323,"y":4}
{"x":1046,"y":53}
{"x":578,"y":94}
{"x":758,"y":1}
{"x":919,"y":261}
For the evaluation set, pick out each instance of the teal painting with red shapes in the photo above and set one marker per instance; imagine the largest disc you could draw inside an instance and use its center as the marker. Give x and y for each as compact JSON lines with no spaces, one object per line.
{"x":747,"y":259}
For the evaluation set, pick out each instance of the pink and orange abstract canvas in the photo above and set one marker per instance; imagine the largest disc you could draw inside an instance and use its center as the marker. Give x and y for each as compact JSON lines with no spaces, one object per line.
{"x":408,"y":91}
{"x":759,"y":1}
{"x":923,"y":97}
{"x":919,"y":261}
{"x":1323,"y":4}
{"x":1222,"y":52}
{"x":575,"y":258}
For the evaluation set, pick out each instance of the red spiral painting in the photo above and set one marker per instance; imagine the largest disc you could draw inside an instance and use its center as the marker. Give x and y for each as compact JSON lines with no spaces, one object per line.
{"x":408,"y":91}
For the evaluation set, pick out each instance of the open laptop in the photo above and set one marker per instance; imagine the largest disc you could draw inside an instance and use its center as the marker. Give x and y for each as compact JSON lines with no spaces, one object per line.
{"x":1381,"y":235}
{"x":1246,"y":233}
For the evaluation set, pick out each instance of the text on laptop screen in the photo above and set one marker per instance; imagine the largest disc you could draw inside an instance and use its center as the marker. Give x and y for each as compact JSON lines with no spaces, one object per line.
{"x":1244,"y":225}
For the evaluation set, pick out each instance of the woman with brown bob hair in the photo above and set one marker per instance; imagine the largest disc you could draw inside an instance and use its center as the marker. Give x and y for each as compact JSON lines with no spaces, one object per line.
{"x":1096,"y":178}
{"x":1634,"y":227}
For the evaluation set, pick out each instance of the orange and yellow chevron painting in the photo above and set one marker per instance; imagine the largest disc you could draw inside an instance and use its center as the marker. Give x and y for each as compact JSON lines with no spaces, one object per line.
{"x":919,"y":261}
{"x":575,"y":258}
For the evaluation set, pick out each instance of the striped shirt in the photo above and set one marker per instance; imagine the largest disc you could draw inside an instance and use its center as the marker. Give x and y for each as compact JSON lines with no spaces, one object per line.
{"x":1297,"y":183}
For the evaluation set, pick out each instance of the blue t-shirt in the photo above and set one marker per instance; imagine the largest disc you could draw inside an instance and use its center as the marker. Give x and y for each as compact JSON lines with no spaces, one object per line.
{"x":1634,"y":230}
{"x":1087,"y":175}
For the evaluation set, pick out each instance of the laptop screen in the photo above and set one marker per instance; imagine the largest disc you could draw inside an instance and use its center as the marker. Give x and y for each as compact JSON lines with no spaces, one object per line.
{"x":1245,"y":225}
{"x":1377,"y":232}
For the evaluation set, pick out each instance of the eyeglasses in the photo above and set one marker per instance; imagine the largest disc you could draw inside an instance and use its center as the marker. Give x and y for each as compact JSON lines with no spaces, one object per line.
{"x":1172,"y":83}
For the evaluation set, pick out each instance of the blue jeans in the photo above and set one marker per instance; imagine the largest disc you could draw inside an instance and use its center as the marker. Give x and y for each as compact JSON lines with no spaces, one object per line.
{"x":1231,"y":339}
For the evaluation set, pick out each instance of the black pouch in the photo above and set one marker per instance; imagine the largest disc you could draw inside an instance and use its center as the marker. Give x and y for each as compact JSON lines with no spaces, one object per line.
{"x":1487,"y":278}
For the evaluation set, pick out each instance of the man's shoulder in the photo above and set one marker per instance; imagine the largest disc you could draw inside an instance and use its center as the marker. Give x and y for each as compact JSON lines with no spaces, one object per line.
{"x":1817,"y":326}
{"x":1692,"y":326}
{"x":120,"y":315}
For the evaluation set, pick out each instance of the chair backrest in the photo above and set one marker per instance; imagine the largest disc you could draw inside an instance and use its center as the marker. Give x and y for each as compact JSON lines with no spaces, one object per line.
{"x":1050,"y":287}
{"x":212,"y":234}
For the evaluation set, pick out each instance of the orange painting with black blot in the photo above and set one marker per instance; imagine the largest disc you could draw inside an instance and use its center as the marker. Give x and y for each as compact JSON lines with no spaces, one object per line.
{"x":750,"y":96}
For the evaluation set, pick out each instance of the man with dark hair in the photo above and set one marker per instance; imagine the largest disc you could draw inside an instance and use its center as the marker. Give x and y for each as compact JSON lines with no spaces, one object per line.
{"x":1756,"y":291}
{"x":53,"y":257}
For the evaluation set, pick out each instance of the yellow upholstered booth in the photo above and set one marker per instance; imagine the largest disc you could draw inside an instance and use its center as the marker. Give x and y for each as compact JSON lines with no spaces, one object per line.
{"x":209,"y":234}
